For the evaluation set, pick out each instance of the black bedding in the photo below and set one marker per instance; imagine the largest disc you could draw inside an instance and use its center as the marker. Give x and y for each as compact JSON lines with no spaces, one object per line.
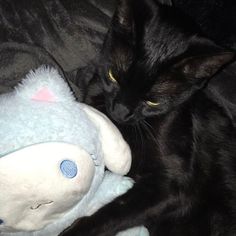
{"x":65,"y":34}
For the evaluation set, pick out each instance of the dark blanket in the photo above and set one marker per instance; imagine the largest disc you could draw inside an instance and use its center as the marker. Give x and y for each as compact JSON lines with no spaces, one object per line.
{"x":65,"y":34}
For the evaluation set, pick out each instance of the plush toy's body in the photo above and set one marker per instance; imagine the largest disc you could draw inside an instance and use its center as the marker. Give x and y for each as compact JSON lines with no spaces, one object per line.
{"x":53,"y":153}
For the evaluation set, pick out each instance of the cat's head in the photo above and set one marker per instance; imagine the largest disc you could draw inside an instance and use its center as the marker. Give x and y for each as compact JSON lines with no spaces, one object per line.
{"x":153,"y":60}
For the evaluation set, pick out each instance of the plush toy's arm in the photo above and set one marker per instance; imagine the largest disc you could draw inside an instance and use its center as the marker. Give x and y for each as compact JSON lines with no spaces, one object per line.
{"x":117,"y":154}
{"x":136,"y":231}
{"x":113,"y":185}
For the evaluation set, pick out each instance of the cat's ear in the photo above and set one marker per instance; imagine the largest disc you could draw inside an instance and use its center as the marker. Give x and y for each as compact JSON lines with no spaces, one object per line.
{"x":124,"y":15}
{"x":204,"y":65}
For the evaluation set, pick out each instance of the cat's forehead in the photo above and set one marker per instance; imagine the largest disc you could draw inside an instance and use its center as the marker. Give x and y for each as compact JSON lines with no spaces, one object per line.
{"x":122,"y":57}
{"x":158,"y":34}
{"x":161,"y":45}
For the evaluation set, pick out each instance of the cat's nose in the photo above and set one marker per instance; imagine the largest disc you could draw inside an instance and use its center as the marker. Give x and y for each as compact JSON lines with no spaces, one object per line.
{"x":121,"y":113}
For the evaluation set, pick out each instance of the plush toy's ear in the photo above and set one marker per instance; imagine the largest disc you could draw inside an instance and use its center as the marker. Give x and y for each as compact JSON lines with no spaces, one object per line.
{"x":44,"y":85}
{"x":117,"y":154}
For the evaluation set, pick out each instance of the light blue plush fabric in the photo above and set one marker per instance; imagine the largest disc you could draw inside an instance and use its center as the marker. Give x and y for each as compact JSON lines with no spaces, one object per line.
{"x":27,"y":118}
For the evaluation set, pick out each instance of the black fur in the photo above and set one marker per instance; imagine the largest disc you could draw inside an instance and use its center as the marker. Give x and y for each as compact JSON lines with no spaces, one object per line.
{"x":184,"y":153}
{"x":216,"y":18}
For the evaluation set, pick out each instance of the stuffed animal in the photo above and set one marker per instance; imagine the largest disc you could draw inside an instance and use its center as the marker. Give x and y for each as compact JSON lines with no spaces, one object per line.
{"x":53,"y":154}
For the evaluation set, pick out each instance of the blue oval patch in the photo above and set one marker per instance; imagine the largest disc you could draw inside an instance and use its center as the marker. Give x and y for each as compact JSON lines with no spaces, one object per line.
{"x":1,"y":221}
{"x":69,"y":169}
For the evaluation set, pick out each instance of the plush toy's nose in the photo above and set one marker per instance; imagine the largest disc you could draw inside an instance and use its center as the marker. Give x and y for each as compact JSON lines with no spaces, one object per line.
{"x":1,"y":221}
{"x":69,"y":169}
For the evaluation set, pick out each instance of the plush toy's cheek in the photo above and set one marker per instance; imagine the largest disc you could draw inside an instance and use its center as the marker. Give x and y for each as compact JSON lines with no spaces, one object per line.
{"x":69,"y":169}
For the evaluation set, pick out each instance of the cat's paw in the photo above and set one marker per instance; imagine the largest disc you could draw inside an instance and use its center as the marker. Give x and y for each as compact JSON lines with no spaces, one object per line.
{"x":86,"y":226}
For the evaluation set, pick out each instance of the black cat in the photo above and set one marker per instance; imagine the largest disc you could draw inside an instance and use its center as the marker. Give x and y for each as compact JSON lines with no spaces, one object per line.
{"x":152,"y":82}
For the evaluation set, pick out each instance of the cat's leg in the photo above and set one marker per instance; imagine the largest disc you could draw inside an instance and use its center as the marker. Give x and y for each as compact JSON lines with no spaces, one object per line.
{"x":124,"y":212}
{"x":144,"y":201}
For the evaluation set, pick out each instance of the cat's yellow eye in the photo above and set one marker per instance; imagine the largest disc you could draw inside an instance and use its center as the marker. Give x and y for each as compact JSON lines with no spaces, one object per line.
{"x":111,"y":76}
{"x":152,"y":104}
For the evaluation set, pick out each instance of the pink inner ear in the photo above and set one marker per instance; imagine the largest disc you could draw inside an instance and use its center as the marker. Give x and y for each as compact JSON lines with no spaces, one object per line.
{"x":44,"y":95}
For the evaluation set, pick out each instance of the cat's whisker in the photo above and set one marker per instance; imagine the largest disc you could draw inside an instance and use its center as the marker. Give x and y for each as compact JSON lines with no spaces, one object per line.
{"x":141,"y":136}
{"x":148,"y":124}
{"x":149,"y":131}
{"x":136,"y":132}
{"x":142,"y":147}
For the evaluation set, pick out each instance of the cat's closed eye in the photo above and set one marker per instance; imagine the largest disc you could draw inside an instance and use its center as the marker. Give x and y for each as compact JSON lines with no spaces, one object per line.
{"x":111,"y":76}
{"x":152,"y":104}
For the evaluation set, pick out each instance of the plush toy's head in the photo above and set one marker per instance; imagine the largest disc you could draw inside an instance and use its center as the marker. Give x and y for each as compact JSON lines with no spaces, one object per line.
{"x":53,"y":151}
